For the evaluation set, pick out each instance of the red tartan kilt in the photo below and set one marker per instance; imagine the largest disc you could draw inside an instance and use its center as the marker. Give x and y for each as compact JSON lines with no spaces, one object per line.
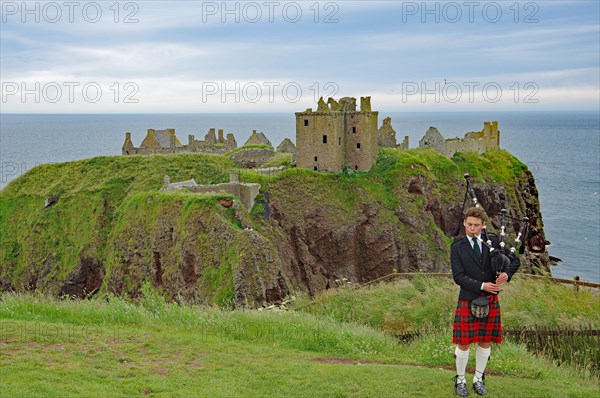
{"x":467,"y":329}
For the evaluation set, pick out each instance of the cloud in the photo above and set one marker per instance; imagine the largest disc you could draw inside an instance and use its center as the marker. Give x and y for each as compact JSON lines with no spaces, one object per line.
{"x":175,"y":49}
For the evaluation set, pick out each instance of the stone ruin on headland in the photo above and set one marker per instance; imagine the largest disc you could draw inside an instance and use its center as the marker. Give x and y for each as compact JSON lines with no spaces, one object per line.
{"x":334,"y":137}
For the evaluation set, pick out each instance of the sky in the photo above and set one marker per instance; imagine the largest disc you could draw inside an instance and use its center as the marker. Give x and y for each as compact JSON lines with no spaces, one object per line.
{"x":281,"y":56}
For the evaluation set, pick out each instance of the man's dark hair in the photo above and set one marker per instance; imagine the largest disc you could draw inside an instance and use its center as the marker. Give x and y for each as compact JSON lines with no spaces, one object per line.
{"x":475,"y":212}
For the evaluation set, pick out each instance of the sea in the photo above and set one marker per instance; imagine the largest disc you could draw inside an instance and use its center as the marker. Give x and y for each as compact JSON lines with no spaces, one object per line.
{"x":562,"y":149}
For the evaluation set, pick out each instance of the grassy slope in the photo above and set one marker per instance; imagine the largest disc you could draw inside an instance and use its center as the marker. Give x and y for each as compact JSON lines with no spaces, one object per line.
{"x":425,"y":302}
{"x":99,"y":348}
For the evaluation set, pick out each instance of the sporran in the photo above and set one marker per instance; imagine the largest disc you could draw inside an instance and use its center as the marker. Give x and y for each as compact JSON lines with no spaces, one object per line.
{"x":480,"y":307}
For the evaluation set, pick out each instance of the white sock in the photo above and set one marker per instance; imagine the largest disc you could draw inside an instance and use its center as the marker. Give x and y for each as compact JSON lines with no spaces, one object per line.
{"x":462,"y":358}
{"x":481,"y":359}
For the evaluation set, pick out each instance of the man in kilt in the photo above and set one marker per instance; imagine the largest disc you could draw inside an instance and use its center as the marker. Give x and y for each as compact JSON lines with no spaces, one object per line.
{"x":473,"y":272}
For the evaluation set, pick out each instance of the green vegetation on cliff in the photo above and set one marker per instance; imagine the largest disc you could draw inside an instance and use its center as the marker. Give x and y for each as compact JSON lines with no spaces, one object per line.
{"x":111,"y":230}
{"x":98,"y":199}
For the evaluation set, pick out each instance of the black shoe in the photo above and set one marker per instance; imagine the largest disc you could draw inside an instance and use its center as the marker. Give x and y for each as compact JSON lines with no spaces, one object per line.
{"x":479,"y":386}
{"x":461,"y":388}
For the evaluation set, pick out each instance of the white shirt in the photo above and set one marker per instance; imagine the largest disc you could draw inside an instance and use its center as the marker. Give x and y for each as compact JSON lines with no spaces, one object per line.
{"x":478,"y":242}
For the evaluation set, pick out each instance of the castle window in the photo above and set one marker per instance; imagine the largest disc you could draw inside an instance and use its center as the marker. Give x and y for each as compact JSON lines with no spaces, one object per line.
{"x":324,"y":139}
{"x":339,"y":140}
{"x":358,"y":145}
{"x":353,"y":130}
{"x":315,"y":158}
{"x":305,"y":122}
{"x":356,"y":167}
{"x":315,"y":168}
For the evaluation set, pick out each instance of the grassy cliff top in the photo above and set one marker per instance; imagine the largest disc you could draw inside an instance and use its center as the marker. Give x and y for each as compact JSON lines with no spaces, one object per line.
{"x":126,"y":174}
{"x":134,"y":174}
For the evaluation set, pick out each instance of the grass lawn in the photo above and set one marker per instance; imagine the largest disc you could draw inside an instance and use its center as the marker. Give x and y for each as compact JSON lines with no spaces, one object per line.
{"x":99,"y":349}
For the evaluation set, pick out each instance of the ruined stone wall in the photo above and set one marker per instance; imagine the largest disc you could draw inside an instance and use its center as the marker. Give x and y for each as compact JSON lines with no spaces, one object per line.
{"x":210,"y":144}
{"x":169,"y":151}
{"x":362,"y":140}
{"x":477,"y":141}
{"x":159,"y":151}
{"x":202,"y":148}
{"x":404,"y":144}
{"x":462,"y":145}
{"x":313,"y":150}
{"x":245,"y":192}
{"x":128,"y":148}
{"x":252,"y":157}
{"x":433,"y":139}
{"x":386,"y":135}
{"x":287,"y":146}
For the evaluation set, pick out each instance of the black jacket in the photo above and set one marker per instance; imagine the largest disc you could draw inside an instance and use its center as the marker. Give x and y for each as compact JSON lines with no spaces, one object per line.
{"x":469,"y":272}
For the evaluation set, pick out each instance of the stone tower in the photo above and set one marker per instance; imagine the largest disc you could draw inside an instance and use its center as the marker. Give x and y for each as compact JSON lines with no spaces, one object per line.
{"x":386,"y":135}
{"x":128,"y":147}
{"x":337,"y":135}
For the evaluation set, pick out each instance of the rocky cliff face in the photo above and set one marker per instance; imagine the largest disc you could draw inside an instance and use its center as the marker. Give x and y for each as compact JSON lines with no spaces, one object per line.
{"x":323,"y":244}
{"x":308,"y":232}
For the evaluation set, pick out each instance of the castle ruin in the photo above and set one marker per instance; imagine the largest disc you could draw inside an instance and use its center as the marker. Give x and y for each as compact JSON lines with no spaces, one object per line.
{"x":475,"y":141}
{"x":258,"y":139}
{"x":165,"y":142}
{"x":337,"y":136}
{"x":245,"y":192}
{"x":386,"y":136}
{"x":334,"y":137}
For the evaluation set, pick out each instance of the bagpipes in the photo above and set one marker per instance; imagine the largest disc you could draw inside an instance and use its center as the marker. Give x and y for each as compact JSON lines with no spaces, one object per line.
{"x":499,"y":257}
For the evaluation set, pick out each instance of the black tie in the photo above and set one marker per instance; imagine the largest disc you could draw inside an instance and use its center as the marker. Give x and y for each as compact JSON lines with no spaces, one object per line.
{"x":476,"y":247}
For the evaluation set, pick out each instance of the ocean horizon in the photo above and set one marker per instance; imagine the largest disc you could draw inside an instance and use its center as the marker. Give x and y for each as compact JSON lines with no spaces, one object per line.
{"x":561,"y":149}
